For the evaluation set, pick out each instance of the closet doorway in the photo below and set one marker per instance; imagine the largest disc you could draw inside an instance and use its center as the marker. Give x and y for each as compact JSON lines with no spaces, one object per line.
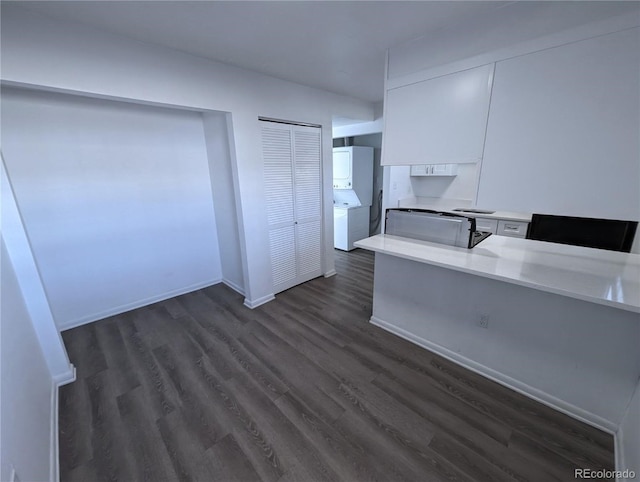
{"x":293,"y":190}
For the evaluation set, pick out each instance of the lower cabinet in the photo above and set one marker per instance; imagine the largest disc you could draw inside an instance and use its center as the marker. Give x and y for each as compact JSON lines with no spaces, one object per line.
{"x":512,"y":228}
{"x":501,"y":227}
{"x":487,"y":225}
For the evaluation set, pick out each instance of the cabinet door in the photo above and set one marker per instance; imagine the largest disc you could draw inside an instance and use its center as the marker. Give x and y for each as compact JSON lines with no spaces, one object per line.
{"x":514,"y":229}
{"x":420,"y":170}
{"x":487,"y":225}
{"x":443,"y":170}
{"x":441,"y":120}
{"x":563,"y":132}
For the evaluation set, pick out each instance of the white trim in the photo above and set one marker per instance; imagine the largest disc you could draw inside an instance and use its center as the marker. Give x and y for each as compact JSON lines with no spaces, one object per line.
{"x":522,"y":388}
{"x":66,"y":377}
{"x":330,"y":273}
{"x":54,"y":450}
{"x":584,"y":32}
{"x":618,"y":441}
{"x":260,"y":301}
{"x":135,"y":304}
{"x":235,"y":287}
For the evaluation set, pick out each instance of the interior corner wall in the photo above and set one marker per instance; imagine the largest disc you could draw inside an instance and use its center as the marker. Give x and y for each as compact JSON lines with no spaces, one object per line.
{"x":48,"y":54}
{"x":115,"y":199}
{"x":223,"y":187}
{"x":25,"y":387}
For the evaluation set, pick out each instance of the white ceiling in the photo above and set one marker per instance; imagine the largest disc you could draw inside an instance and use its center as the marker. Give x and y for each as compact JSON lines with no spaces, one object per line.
{"x":337,"y":46}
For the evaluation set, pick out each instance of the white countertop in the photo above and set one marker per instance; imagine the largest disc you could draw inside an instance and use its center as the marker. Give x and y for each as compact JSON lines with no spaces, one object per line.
{"x":449,"y":208}
{"x":605,"y":277}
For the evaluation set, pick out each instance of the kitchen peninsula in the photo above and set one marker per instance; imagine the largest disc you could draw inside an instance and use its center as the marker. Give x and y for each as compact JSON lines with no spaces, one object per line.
{"x":558,"y":323}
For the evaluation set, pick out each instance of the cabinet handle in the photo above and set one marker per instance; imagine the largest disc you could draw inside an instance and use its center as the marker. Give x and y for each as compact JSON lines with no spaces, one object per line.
{"x":511,"y":228}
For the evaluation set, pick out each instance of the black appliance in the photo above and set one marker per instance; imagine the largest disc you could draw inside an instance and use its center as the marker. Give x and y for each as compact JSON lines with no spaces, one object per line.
{"x":610,"y":234}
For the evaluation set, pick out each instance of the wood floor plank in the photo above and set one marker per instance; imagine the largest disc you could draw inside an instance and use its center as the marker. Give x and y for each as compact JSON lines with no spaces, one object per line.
{"x":395,"y":426}
{"x":425,"y":389}
{"x":150,"y":458}
{"x":541,"y":413}
{"x":111,"y":459}
{"x":300,"y":374}
{"x":349,"y":463}
{"x":153,"y":382}
{"x":199,"y":387}
{"x":255,"y":443}
{"x":230,"y":358}
{"x":465,"y":431}
{"x":386,"y":455}
{"x":74,"y":431}
{"x":187,"y":456}
{"x":194,"y":405}
{"x":287,"y":439}
{"x":226,"y":461}
{"x":320,"y":351}
{"x":115,"y":354}
{"x":561,"y":442}
{"x":83,"y":345}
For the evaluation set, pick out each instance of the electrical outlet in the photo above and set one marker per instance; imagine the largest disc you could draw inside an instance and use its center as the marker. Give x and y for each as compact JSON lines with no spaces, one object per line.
{"x":483,"y":320}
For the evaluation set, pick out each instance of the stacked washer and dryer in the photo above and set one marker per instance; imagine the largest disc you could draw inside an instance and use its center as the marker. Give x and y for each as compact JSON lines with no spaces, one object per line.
{"x":352,"y":194}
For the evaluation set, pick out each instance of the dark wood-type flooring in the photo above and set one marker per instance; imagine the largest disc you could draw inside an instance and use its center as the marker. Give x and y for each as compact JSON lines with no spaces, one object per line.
{"x":303,"y":388}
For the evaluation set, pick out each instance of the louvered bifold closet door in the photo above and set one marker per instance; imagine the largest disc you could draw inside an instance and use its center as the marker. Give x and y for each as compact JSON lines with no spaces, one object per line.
{"x":308,"y":196}
{"x":277,"y":149}
{"x":293,"y":189}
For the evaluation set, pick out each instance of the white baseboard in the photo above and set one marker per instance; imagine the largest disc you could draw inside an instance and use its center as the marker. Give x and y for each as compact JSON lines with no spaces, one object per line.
{"x":498,"y":377}
{"x":260,"y":301}
{"x":54,"y":451}
{"x":330,"y":273}
{"x":234,"y":286}
{"x":67,"y":325}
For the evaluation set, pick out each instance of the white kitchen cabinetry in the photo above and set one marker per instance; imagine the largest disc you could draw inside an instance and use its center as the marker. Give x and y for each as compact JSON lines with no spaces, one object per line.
{"x":487,"y":225}
{"x":440,"y":120}
{"x":512,"y":228}
{"x":563,"y":130}
{"x":434,"y":170}
{"x":292,"y":182}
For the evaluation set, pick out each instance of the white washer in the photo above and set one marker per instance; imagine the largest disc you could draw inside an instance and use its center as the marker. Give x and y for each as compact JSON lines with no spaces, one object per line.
{"x":350,"y":224}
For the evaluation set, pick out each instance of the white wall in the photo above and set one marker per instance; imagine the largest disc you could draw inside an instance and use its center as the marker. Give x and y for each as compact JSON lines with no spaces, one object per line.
{"x":116,"y":200}
{"x":224,"y":185}
{"x":629,"y":433}
{"x":57,"y":55}
{"x":33,"y":361}
{"x":462,"y":186}
{"x":26,"y":387}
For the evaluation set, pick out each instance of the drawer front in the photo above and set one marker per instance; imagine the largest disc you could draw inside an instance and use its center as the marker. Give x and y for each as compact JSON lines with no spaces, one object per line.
{"x":512,"y":228}
{"x":485,"y":224}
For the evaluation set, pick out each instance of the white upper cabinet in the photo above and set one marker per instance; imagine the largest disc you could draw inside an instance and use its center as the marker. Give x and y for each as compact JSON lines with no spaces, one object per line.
{"x":564,"y":130}
{"x":437,"y":121}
